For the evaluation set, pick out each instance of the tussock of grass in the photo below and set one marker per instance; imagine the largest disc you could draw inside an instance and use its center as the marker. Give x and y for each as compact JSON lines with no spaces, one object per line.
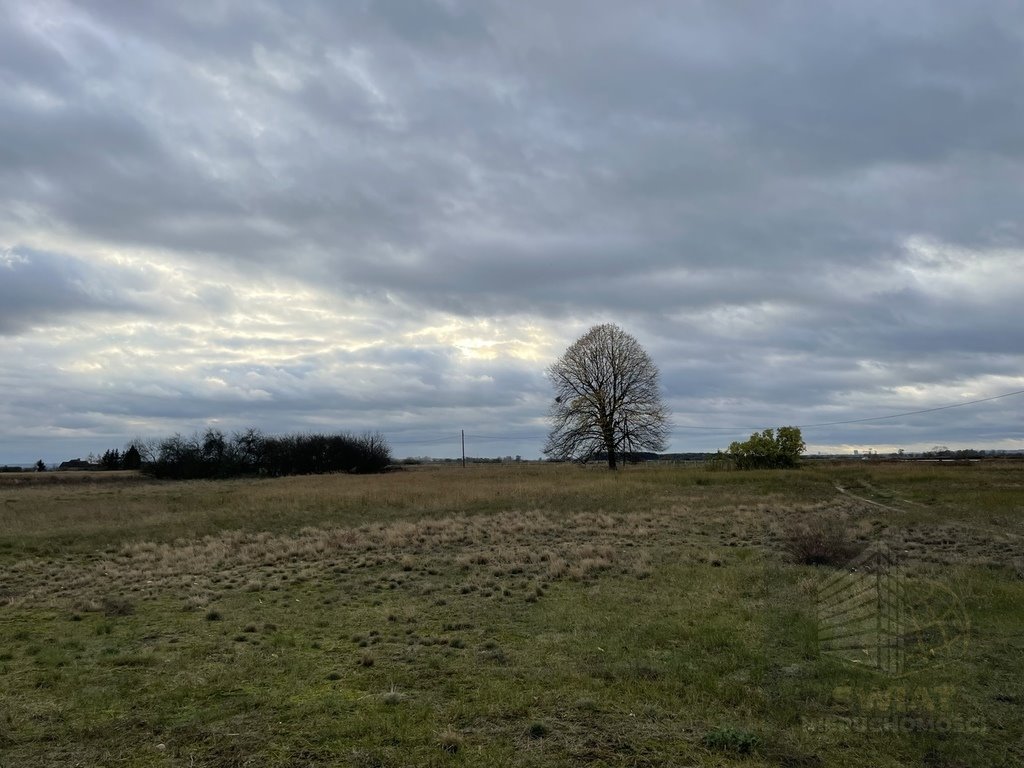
{"x":730,"y":739}
{"x":451,"y":742}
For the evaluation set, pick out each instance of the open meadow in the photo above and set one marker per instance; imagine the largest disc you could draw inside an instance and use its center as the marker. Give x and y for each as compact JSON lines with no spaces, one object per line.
{"x":519,"y":615}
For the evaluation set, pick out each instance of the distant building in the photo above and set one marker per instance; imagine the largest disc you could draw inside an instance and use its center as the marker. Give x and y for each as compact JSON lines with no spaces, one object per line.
{"x":76,"y":464}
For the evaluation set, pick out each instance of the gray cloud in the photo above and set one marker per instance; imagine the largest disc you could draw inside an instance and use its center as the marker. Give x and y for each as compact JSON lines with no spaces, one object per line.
{"x":37,"y":287}
{"x":305,"y":214}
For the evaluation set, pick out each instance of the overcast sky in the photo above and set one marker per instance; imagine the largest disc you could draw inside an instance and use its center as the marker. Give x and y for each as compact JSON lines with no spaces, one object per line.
{"x":394,"y":215}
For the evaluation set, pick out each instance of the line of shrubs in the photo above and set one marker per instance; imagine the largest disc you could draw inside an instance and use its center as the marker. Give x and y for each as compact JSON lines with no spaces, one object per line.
{"x":214,"y":455}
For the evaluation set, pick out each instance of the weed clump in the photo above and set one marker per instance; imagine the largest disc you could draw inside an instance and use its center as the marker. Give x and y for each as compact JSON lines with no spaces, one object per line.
{"x":587,"y":704}
{"x":729,"y":739}
{"x":538,"y":730}
{"x":451,"y":742}
{"x":392,"y":697}
{"x":820,"y":542}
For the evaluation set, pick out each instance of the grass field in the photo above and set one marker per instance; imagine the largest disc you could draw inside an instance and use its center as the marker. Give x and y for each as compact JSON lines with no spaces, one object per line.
{"x":521,"y":615}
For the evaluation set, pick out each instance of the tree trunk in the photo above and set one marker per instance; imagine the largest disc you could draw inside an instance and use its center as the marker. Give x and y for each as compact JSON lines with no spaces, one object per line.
{"x":609,"y":444}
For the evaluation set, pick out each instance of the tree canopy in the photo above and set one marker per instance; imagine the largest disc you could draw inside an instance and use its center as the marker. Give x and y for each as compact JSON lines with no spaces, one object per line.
{"x":607,"y":399}
{"x":768,"y":449}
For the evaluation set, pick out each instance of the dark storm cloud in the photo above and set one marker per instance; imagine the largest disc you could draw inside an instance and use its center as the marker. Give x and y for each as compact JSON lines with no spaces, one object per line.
{"x":801,"y":209}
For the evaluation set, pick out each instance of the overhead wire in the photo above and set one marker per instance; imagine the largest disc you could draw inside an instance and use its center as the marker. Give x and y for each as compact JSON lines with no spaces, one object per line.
{"x":870,"y":418}
{"x":426,"y":441}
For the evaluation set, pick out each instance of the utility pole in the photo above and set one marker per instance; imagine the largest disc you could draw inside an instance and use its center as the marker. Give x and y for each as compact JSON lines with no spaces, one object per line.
{"x":463,"y":449}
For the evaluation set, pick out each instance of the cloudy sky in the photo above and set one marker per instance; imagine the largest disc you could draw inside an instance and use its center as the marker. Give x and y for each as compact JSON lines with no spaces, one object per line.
{"x":394,"y":215}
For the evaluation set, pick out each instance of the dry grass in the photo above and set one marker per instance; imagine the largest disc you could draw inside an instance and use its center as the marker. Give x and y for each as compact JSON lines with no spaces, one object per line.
{"x":105,"y":508}
{"x":484,"y":547}
{"x":551,"y":522}
{"x":68,"y":479}
{"x":525,"y":615}
{"x":546,"y":541}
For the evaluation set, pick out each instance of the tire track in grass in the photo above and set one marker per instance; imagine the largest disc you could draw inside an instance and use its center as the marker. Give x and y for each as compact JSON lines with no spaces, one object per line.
{"x":865,"y":500}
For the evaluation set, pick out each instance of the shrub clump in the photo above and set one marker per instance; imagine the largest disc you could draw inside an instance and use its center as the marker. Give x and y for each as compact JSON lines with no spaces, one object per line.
{"x":214,"y":455}
{"x":820,"y":542}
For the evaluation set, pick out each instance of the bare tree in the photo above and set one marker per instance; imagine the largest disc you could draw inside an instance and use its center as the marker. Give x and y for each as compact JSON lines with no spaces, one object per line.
{"x":606,"y":399}
{"x":148,"y":448}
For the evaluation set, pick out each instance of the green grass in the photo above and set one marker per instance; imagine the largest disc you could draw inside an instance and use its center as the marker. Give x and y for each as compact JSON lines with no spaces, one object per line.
{"x":524,"y":616}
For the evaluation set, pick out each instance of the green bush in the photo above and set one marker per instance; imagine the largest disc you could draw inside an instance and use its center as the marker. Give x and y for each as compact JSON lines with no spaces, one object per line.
{"x":768,"y":449}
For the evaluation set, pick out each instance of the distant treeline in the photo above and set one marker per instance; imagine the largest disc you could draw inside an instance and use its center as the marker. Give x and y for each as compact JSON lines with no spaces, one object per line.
{"x":639,"y":457}
{"x":636,"y":457}
{"x":214,"y":455}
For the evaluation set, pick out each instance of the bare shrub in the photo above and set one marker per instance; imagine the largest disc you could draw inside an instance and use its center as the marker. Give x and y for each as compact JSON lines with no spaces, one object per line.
{"x":820,"y":541}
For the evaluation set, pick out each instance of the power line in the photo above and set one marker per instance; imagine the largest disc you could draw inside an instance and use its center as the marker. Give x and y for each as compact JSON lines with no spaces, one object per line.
{"x":535,"y":436}
{"x":871,"y":418}
{"x":923,"y":410}
{"x":426,"y":441}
